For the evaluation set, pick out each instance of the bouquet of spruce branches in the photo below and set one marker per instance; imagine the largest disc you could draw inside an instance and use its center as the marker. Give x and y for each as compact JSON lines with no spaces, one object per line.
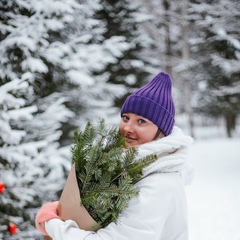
{"x":106,"y":171}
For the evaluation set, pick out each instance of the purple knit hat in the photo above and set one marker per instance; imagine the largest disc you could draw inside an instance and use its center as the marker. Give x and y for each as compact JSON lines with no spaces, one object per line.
{"x":154,"y":101}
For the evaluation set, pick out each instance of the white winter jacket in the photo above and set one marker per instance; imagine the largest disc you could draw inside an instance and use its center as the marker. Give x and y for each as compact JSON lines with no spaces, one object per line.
{"x":159,"y":212}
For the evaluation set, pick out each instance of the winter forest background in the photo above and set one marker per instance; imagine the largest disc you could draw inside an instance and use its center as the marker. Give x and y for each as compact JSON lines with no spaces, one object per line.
{"x":65,"y":62}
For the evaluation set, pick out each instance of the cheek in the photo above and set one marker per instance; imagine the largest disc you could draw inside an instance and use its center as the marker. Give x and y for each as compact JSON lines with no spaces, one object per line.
{"x":146,"y":136}
{"x":121,"y":126}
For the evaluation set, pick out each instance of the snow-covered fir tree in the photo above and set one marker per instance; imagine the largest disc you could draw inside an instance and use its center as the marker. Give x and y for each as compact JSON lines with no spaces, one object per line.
{"x":31,"y":165}
{"x":217,"y":49}
{"x":131,"y":68}
{"x":41,"y":47}
{"x":91,"y":52}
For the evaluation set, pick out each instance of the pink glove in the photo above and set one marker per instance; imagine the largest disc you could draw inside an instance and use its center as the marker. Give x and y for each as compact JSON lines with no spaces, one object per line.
{"x":48,"y":211}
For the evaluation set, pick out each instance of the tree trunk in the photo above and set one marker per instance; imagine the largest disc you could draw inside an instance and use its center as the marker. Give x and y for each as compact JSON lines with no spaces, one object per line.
{"x":230,"y":121}
{"x":186,"y":74}
{"x":167,"y":22}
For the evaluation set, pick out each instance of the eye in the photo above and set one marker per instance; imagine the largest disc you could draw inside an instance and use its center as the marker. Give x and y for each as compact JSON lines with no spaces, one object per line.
{"x":142,"y":121}
{"x":125,"y":118}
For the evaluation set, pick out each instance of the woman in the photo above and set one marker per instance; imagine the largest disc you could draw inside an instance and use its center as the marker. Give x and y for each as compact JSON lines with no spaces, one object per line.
{"x":159,"y":212}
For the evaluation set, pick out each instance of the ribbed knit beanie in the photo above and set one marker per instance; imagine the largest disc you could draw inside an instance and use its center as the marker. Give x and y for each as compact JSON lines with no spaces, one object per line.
{"x":154,"y":101}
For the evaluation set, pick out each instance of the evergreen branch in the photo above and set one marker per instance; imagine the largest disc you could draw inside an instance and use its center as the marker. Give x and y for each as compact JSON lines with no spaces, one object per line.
{"x":135,"y":169}
{"x":115,"y":191}
{"x":106,"y":171}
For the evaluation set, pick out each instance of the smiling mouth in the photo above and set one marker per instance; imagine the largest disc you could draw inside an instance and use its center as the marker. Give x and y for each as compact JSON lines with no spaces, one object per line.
{"x":130,"y":139}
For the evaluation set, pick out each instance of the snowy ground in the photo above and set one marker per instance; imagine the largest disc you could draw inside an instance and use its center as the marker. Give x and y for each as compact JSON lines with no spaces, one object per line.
{"x":214,"y":195}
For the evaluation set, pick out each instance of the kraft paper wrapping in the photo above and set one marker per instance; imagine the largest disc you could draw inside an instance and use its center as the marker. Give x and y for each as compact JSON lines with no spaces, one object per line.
{"x":70,"y":207}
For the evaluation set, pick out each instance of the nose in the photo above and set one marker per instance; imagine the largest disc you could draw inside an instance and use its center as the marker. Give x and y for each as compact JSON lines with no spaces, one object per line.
{"x":128,"y":127}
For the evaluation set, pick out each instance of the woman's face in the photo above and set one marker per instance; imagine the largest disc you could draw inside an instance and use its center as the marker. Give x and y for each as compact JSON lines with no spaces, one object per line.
{"x":137,"y":129}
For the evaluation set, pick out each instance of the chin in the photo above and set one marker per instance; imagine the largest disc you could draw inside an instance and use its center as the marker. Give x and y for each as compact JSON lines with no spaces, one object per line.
{"x":132,"y":144}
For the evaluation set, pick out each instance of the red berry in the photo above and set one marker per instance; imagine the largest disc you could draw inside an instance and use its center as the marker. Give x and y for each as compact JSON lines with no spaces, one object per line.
{"x":12,"y":228}
{"x":2,"y":187}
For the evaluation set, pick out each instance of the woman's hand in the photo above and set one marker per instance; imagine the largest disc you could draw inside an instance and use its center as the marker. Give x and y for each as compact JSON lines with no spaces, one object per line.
{"x":47,"y":212}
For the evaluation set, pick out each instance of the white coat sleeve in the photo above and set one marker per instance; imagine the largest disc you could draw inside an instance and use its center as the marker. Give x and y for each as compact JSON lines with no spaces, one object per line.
{"x":145,"y":218}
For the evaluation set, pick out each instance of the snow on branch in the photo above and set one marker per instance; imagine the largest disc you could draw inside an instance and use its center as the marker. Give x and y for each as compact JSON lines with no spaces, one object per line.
{"x":12,"y":110}
{"x":7,"y":100}
{"x":226,"y":90}
{"x":228,"y":66}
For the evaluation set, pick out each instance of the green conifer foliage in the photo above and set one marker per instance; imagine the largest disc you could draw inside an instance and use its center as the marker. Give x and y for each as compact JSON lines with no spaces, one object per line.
{"x":106,"y":171}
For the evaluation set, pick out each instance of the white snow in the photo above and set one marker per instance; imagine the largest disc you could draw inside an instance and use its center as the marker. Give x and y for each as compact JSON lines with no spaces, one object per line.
{"x":34,"y":65}
{"x":80,"y":78}
{"x":214,"y":195}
